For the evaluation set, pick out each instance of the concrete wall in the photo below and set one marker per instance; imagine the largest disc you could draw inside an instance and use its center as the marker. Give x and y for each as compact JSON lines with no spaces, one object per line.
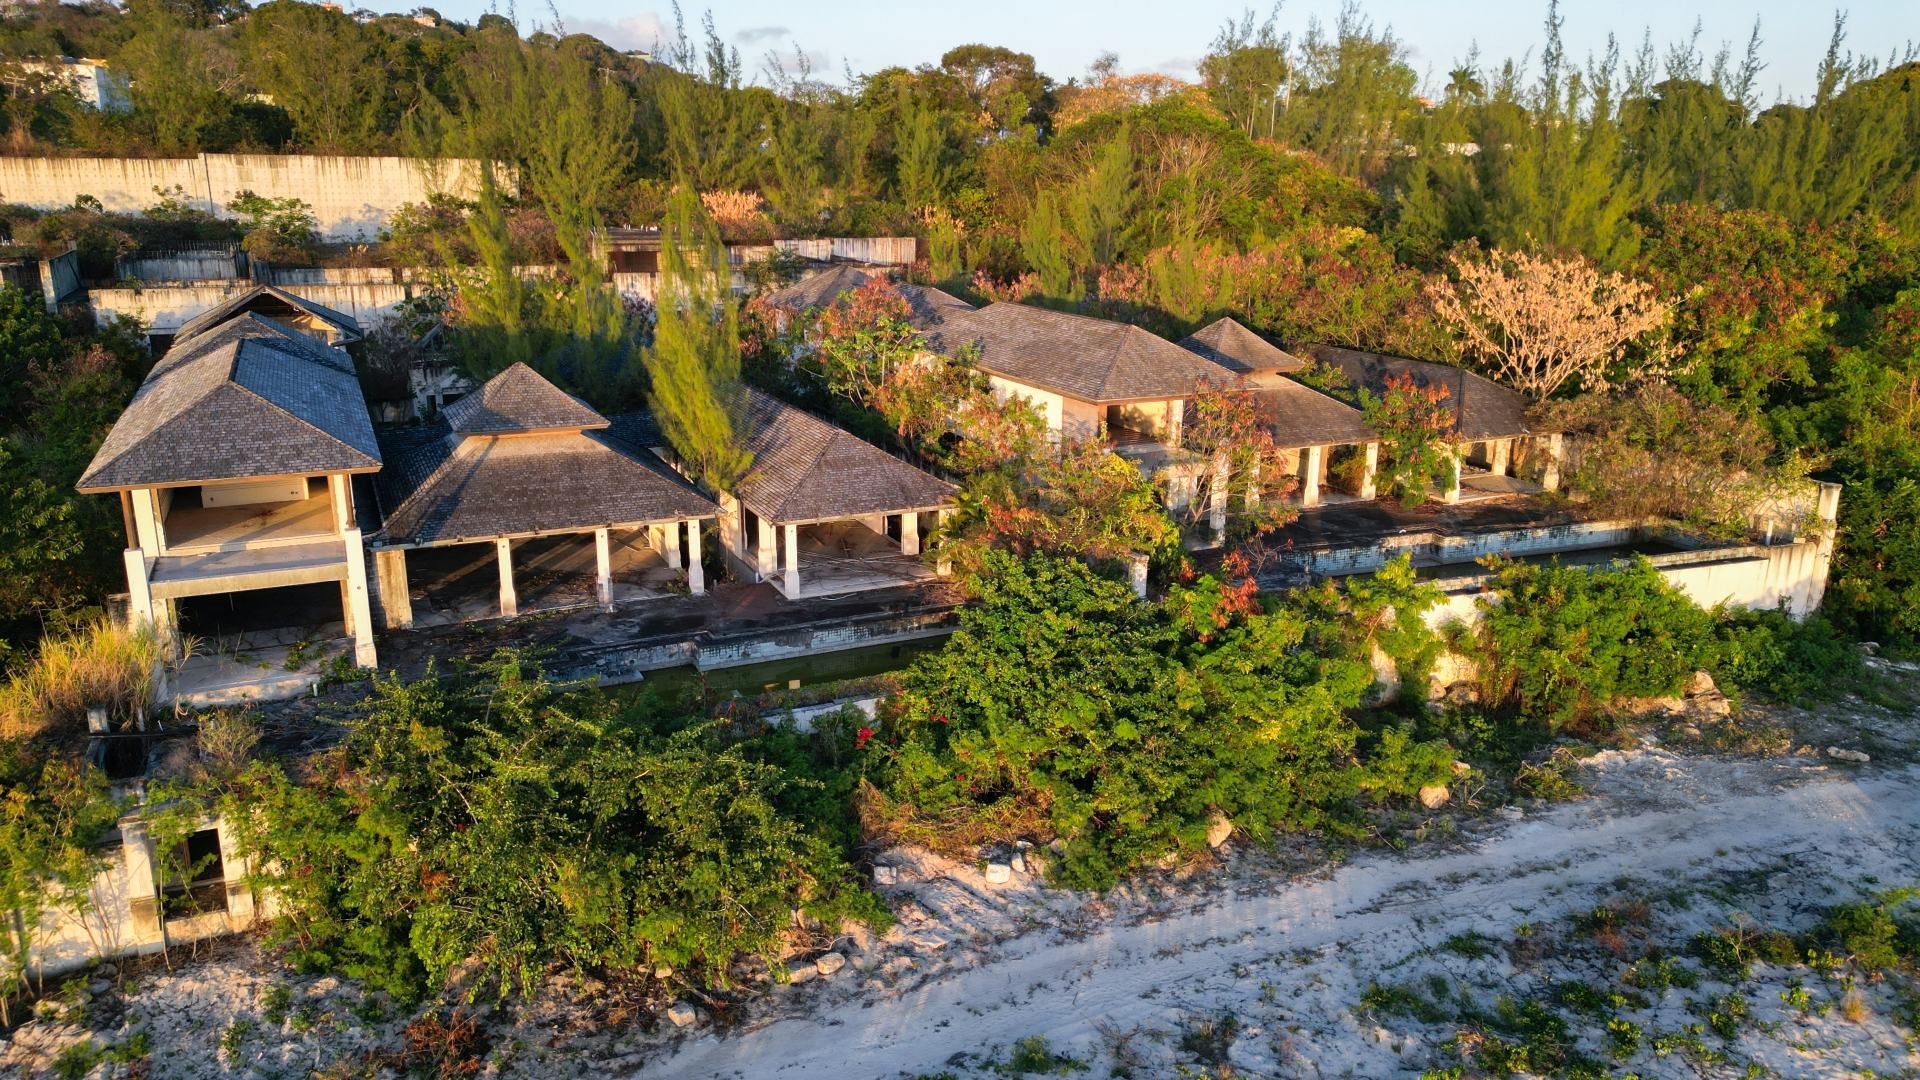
{"x":161,"y":309}
{"x":351,"y":196}
{"x":182,"y":266}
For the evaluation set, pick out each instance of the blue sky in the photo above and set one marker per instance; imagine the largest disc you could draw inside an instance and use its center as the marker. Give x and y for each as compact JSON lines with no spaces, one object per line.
{"x":1157,"y":35}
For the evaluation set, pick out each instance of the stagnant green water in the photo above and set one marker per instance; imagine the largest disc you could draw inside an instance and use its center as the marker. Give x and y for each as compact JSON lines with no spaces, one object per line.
{"x":816,"y":669}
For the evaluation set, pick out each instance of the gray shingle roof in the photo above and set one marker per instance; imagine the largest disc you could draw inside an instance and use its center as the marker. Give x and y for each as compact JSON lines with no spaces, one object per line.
{"x":928,"y":306}
{"x":805,"y":469}
{"x":1482,"y":409}
{"x":268,"y":300}
{"x":519,"y":401}
{"x":1091,"y":360}
{"x":1231,"y":345}
{"x":441,"y":487}
{"x":1302,"y":416}
{"x":247,"y":398}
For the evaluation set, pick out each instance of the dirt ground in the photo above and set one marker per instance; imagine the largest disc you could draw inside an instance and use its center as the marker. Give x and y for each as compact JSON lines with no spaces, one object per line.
{"x":1546,"y":939}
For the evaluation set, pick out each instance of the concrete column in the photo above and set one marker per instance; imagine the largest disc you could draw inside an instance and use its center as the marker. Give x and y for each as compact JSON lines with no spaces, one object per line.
{"x":876,"y":522}
{"x":1451,"y":493}
{"x":509,"y":600}
{"x":793,"y":562}
{"x":671,"y":531}
{"x":1253,"y":486}
{"x":390,"y":575}
{"x":603,"y":568}
{"x":1137,"y":570}
{"x":359,"y":607}
{"x":1550,"y":470}
{"x":1315,"y":463}
{"x":945,"y":565}
{"x":910,"y":533}
{"x":1217,"y":499}
{"x":144,"y":920}
{"x":768,"y":561}
{"x":733,"y":536}
{"x":139,"y":590}
{"x":234,"y":868}
{"x":1370,"y":476}
{"x":341,"y":494}
{"x":146,"y":521}
{"x":696,"y":573}
{"x":1500,"y":457}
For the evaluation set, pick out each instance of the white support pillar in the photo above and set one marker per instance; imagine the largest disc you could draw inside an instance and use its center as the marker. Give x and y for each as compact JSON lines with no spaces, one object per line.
{"x":1253,"y":486}
{"x":1451,"y":493}
{"x":910,"y":533}
{"x":1550,"y":471}
{"x":234,"y":866}
{"x":390,"y":576}
{"x":146,"y":522}
{"x":696,"y":573}
{"x":945,"y":565}
{"x":603,"y":568}
{"x":509,"y":600}
{"x":1369,"y":478}
{"x":1500,"y":457}
{"x":1217,"y":499}
{"x":875,"y":522}
{"x":340,"y":493}
{"x":1137,"y":570}
{"x":359,"y":613}
{"x":140,"y":590}
{"x":768,"y":556}
{"x":793,"y":561}
{"x":141,"y":883}
{"x":671,"y":531}
{"x":1315,"y":462}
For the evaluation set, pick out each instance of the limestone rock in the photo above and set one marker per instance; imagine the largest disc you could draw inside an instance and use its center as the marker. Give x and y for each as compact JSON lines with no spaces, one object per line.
{"x":829,"y":963}
{"x":999,"y":873}
{"x":886,"y":875}
{"x":681,"y":1014}
{"x":1715,"y":704}
{"x":663,"y":972}
{"x":1838,"y":753}
{"x":1018,"y":860}
{"x":1434,"y":796}
{"x":1701,"y":683}
{"x":1219,"y":829}
{"x":799,"y":973}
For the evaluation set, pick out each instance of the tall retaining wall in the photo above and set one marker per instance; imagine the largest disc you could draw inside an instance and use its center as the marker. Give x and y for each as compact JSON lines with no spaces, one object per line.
{"x":351,"y":196}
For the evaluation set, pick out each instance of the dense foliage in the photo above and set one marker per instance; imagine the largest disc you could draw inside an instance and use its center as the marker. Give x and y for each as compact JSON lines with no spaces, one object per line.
{"x":489,"y":817}
{"x":1065,"y":709}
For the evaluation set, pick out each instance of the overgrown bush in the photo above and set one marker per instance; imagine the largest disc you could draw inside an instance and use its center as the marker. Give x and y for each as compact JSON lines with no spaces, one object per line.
{"x":1792,"y":661}
{"x":278,"y":230}
{"x":488,"y":818}
{"x":1560,"y":644}
{"x":1064,"y":708}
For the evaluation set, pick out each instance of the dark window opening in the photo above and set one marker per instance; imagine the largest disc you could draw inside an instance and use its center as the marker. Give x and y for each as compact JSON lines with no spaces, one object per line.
{"x":196,"y":878}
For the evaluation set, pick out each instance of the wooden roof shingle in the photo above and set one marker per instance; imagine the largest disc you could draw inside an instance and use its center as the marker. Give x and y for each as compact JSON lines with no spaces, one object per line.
{"x":1087,"y":359}
{"x":1482,"y":408}
{"x":1231,"y":345}
{"x":927,"y":305}
{"x":267,"y":300}
{"x":247,"y":398}
{"x":805,"y":469}
{"x":518,"y":401}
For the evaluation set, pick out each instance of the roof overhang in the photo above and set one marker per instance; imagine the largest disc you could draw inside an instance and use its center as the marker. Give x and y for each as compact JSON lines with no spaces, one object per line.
{"x":104,"y":489}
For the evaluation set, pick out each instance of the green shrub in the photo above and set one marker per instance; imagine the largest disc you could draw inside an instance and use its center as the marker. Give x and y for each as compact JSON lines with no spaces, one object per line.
{"x":488,"y":815}
{"x":1560,"y":644}
{"x":1877,"y":934}
{"x":1796,"y":662}
{"x":1065,"y":707}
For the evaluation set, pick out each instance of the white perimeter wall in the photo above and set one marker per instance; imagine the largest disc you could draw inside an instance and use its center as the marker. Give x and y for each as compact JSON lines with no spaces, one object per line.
{"x":351,"y":196}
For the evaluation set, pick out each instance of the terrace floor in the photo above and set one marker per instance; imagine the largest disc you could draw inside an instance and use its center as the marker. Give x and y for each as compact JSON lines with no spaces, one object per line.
{"x":551,"y":573}
{"x":198,"y":529}
{"x":845,"y":556}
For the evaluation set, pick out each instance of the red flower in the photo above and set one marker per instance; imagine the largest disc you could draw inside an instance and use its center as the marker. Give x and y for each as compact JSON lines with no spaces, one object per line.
{"x":940,"y":718}
{"x":860,"y":737}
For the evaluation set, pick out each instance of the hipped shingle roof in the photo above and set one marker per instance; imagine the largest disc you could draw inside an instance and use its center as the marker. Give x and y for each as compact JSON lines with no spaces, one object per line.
{"x":444,"y":484}
{"x":927,"y":305}
{"x":1091,"y":360}
{"x":1482,"y":409}
{"x":1228,"y":343}
{"x":244,"y":399}
{"x":805,"y":469}
{"x":268,"y":300}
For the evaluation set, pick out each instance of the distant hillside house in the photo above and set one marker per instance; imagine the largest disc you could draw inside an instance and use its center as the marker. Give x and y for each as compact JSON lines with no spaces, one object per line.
{"x":92,"y":81}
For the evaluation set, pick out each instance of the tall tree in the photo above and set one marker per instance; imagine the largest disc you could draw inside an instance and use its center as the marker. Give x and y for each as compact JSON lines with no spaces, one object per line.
{"x":694,"y":364}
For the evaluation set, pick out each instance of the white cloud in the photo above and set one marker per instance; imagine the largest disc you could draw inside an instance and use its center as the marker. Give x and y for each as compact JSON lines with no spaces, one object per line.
{"x":646,"y":32}
{"x":755,"y":35}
